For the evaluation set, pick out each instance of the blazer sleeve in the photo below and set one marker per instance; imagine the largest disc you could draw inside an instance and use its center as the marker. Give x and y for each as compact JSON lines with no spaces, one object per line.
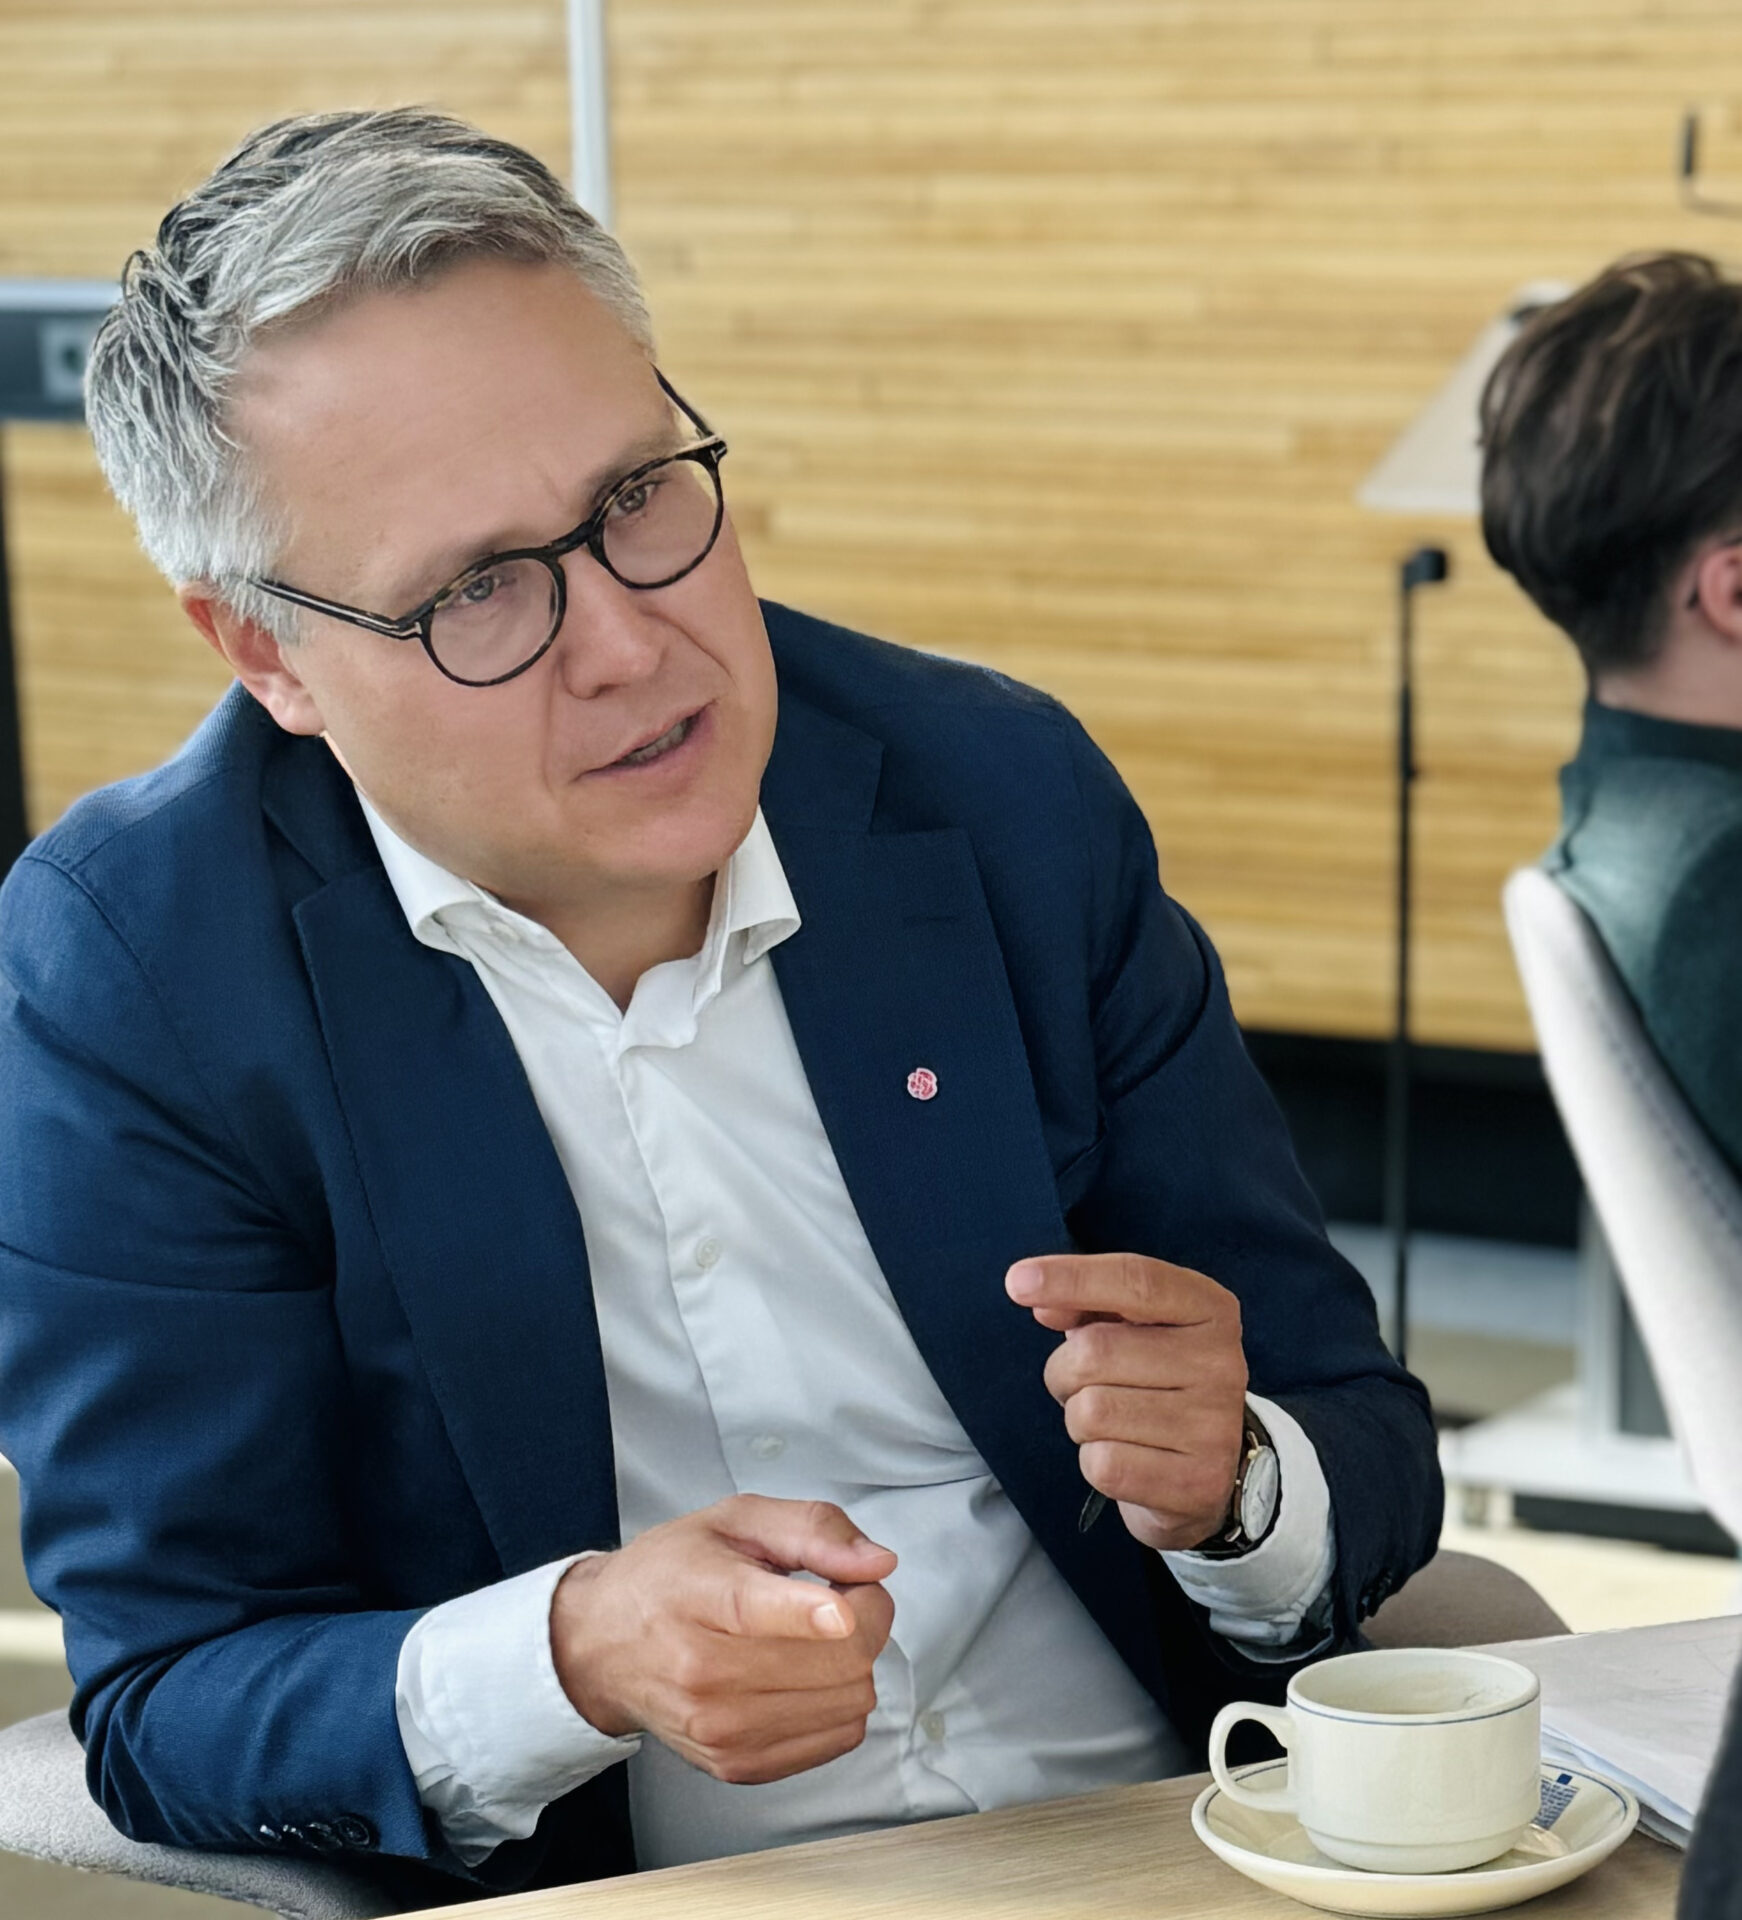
{"x":1195,"y":1166}
{"x":172,"y":1394}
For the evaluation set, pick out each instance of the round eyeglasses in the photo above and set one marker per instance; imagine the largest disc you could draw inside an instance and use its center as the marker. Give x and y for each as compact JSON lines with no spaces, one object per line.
{"x":657,"y":524}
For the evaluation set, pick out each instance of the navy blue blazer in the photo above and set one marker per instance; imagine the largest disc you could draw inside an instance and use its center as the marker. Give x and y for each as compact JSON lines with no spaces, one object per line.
{"x":296,"y":1337}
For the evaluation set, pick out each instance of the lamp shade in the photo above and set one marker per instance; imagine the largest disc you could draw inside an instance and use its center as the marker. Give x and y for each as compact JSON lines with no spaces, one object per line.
{"x":1435,"y":464}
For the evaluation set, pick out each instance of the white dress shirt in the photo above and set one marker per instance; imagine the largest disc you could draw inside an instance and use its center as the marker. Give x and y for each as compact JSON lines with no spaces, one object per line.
{"x":752,"y":1345}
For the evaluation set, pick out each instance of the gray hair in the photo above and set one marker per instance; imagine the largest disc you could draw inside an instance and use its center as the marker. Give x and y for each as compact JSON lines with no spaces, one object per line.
{"x":304,"y":214}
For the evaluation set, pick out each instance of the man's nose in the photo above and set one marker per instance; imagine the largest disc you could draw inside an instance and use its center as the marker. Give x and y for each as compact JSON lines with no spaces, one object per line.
{"x":609,"y":636}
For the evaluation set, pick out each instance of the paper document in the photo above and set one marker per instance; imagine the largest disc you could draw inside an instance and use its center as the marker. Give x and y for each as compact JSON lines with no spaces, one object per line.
{"x":1644,"y":1705}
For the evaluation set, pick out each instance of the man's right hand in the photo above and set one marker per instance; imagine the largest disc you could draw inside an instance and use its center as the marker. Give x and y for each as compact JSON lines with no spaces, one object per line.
{"x":696,"y":1634}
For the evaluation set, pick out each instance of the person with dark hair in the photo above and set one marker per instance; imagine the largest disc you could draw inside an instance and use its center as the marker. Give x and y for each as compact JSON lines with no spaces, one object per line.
{"x":1612,"y":492}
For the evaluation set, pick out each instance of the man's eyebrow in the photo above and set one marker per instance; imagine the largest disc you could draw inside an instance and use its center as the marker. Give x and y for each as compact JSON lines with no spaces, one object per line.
{"x":458,"y":555}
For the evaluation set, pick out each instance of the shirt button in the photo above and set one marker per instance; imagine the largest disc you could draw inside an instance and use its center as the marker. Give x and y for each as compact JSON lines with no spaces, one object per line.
{"x":510,"y":935}
{"x":768,"y":1446}
{"x":708,"y":1252}
{"x":932,"y":1725}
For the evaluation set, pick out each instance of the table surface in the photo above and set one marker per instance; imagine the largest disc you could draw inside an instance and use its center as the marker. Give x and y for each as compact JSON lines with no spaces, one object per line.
{"x":1127,"y":1853}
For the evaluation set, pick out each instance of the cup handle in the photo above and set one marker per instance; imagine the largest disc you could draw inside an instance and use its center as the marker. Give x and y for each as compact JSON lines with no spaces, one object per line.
{"x":1281,"y":1723}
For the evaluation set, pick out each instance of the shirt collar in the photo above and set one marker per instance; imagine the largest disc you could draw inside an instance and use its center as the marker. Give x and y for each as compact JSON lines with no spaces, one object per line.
{"x":424,"y":889}
{"x":1614,"y":733}
{"x":753,"y":897}
{"x":759,"y":902}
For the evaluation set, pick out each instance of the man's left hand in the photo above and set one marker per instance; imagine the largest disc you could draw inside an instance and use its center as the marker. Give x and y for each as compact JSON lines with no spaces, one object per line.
{"x":1152,"y":1377}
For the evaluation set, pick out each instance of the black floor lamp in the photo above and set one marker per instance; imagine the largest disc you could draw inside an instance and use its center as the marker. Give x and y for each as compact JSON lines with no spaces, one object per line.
{"x":46,"y":328}
{"x":1433,"y":468}
{"x":1426,"y":567}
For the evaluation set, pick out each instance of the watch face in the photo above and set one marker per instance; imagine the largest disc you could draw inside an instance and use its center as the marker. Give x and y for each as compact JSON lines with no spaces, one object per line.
{"x":1258,"y":1496}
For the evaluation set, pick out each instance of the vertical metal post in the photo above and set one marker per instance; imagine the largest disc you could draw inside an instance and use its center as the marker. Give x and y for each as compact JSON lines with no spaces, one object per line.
{"x":1397,"y":1063}
{"x":14,"y":832}
{"x":590,"y":108}
{"x":1426,"y":566}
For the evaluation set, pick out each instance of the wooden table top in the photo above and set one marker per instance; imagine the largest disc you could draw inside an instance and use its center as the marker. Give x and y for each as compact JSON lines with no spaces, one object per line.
{"x":1127,"y":1853}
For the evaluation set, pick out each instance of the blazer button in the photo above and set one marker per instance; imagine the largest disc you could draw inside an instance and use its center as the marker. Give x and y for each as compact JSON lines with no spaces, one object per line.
{"x":321,"y":1836}
{"x":270,"y":1834}
{"x":355,"y":1831}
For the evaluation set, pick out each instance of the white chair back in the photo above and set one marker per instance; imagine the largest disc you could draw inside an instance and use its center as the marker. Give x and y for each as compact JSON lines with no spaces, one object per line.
{"x":1669,"y":1205}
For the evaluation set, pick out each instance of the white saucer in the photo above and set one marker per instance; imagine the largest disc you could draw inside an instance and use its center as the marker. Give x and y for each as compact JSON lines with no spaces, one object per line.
{"x":1584,"y":1819}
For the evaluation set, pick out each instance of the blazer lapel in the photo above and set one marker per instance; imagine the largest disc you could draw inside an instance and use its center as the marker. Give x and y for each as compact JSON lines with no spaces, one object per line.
{"x":471,"y":1208}
{"x":897,"y":968}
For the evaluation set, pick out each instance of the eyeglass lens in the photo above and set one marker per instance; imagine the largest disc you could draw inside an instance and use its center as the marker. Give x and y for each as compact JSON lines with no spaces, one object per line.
{"x":501,"y":615}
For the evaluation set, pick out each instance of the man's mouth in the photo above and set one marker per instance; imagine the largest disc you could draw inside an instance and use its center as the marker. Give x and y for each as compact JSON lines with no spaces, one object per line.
{"x":674,"y":736}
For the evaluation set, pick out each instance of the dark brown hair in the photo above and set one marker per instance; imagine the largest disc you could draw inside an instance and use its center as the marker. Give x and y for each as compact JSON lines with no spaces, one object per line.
{"x":1612,"y":445}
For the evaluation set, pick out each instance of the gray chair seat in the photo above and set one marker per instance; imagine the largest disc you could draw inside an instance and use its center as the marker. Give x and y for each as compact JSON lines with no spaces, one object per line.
{"x":1462,"y":1600}
{"x":47,"y":1813}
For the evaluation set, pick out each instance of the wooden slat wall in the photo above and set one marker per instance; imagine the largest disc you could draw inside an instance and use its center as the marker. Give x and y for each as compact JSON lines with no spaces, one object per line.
{"x":1060,"y":336}
{"x":1054,"y":336}
{"x":109,"y":111}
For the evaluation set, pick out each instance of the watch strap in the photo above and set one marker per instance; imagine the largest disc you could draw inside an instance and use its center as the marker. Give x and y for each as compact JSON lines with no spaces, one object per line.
{"x":1231,"y":1539}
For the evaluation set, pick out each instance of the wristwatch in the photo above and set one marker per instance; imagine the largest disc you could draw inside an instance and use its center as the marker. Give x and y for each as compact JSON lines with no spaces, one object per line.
{"x":1257,"y":1496}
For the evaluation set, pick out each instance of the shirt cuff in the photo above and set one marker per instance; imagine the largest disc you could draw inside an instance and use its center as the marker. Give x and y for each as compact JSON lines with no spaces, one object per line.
{"x":1263,"y":1598}
{"x":491,"y":1737}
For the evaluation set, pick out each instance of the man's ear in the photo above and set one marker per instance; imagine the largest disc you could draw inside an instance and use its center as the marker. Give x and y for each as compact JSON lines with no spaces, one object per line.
{"x":1719,"y":586}
{"x":263,"y":664}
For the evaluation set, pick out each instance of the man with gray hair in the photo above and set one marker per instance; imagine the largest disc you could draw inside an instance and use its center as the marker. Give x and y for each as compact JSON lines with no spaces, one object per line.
{"x":590,"y":1170}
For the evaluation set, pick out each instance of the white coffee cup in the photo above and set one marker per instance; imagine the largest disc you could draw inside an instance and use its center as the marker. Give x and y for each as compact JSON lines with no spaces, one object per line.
{"x":1404,"y":1760}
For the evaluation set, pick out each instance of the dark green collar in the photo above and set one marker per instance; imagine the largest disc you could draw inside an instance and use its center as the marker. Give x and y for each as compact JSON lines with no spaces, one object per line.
{"x":1611,"y":734}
